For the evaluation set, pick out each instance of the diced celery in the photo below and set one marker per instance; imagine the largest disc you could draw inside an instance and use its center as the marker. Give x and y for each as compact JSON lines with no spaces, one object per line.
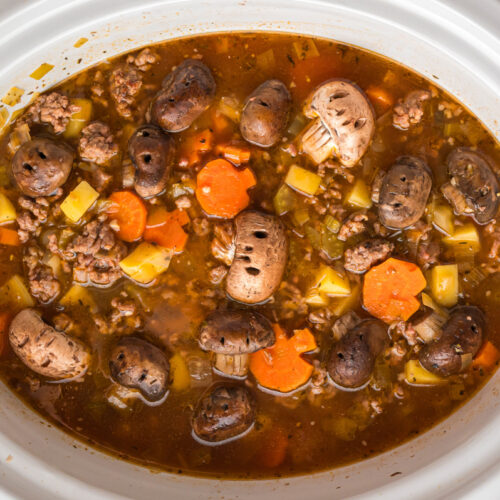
{"x":303,"y":180}
{"x":443,"y":218}
{"x":79,"y":201}
{"x":416,"y":374}
{"x":41,"y":71}
{"x":466,"y":236}
{"x":181,"y":189}
{"x":7,"y":210}
{"x":179,"y":373}
{"x":285,"y":200}
{"x":332,"y":224}
{"x":265,"y":61}
{"x":330,"y":244}
{"x":306,"y":49}
{"x":230,"y":107}
{"x":359,"y":196}
{"x":300,"y":216}
{"x":79,"y":296}
{"x":15,"y":293}
{"x":297,"y":125}
{"x":146,"y":262}
{"x":314,"y":237}
{"x":80,"y":118}
{"x":332,"y":283}
{"x":444,"y":284}
{"x":315,"y":298}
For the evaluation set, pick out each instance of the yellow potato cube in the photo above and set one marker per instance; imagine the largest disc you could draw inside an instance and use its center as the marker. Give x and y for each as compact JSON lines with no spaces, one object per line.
{"x":466,"y":237}
{"x":15,"y":293}
{"x":179,"y":373}
{"x":303,"y":180}
{"x":79,"y":119}
{"x":344,"y":304}
{"x":314,"y":298}
{"x":416,"y":374}
{"x":444,"y":219}
{"x":79,"y":201}
{"x":444,"y":284}
{"x":79,"y":296}
{"x":7,"y":210}
{"x":146,"y":262}
{"x":359,"y":196}
{"x":332,"y":283}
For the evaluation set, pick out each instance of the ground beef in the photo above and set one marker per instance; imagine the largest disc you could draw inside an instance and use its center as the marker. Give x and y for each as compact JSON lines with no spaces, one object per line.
{"x":337,"y":169}
{"x":124,"y":84}
{"x":428,"y":253}
{"x":143,"y":60}
{"x":217,"y":274}
{"x":345,"y":323}
{"x":293,"y":303}
{"x":42,"y":283}
{"x":35,"y":212}
{"x":366,"y":254}
{"x":356,"y":223}
{"x":53,"y":109}
{"x":201,"y":226}
{"x":123,"y":319}
{"x":97,"y":143}
{"x":493,"y":232}
{"x":222,"y":246}
{"x":410,"y":110}
{"x":96,"y":253}
{"x":376,"y":185}
{"x":98,"y":179}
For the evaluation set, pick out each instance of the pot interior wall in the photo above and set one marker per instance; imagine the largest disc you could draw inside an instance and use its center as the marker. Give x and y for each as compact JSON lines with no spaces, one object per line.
{"x":41,"y":461}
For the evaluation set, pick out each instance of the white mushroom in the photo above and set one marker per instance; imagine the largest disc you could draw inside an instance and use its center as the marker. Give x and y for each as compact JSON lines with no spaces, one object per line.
{"x":343,"y":123}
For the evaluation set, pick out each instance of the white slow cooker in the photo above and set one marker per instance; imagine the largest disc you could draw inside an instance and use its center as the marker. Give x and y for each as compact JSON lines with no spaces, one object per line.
{"x":455,"y":43}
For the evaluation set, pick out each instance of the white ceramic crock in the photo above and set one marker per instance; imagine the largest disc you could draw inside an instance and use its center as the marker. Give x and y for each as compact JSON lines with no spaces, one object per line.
{"x":454,"y":44}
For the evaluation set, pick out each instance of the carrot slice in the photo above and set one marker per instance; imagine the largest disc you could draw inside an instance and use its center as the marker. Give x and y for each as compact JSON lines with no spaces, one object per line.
{"x":9,"y":237}
{"x":309,"y":73}
{"x":380,"y":98}
{"x":237,"y":154}
{"x":5,"y":318}
{"x":130,"y":213}
{"x":195,"y":146}
{"x":281,"y":367}
{"x":274,"y":449}
{"x":487,"y":357}
{"x":221,"y":188}
{"x":165,"y":228}
{"x":390,"y":289}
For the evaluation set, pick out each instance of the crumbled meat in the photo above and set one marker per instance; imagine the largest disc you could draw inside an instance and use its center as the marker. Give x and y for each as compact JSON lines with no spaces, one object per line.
{"x":42,"y":283}
{"x":337,"y":169}
{"x":410,"y":110}
{"x":395,"y":353}
{"x":376,"y":185}
{"x":201,"y":226}
{"x":406,"y":330}
{"x":99,"y":179}
{"x":97,"y":253}
{"x":345,"y":323}
{"x":183,"y":202}
{"x":97,"y":143}
{"x":123,"y":319}
{"x":493,"y":232}
{"x":63,"y":322}
{"x":293,"y":303}
{"x":355,"y":224}
{"x":222,"y":246}
{"x":366,"y":254}
{"x":53,"y":109}
{"x":124,"y":84}
{"x":320,"y":387}
{"x":320,"y":319}
{"x":428,"y":253}
{"x":143,"y":60}
{"x":35,"y":213}
{"x":217,"y":274}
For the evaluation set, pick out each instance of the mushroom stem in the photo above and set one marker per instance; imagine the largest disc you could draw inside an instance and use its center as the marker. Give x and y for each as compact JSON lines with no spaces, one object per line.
{"x":317,"y":142}
{"x":233,"y":365}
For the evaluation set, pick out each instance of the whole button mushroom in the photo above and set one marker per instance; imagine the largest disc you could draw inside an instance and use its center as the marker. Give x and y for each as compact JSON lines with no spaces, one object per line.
{"x":261,"y":251}
{"x":404,"y":191}
{"x":461,"y":339}
{"x":473,"y":187}
{"x":152,"y":152}
{"x":186,"y":92}
{"x":265,"y":114}
{"x":352,"y":358}
{"x":226,"y":412}
{"x":232,"y":336}
{"x":343,"y":125}
{"x":45,"y":350}
{"x":40,"y":166}
{"x":137,"y":364}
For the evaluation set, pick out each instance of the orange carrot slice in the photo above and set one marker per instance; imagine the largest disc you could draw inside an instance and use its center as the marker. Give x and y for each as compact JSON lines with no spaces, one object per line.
{"x":9,"y":237}
{"x":165,"y":228}
{"x":487,"y":357}
{"x":130,"y":213}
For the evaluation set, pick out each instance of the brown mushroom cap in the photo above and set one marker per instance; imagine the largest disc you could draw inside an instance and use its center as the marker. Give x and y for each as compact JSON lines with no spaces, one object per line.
{"x":472,"y":175}
{"x":152,"y":152}
{"x":186,"y":92}
{"x":265,"y":114}
{"x":224,"y":413}
{"x":137,"y":364}
{"x":353,"y":357}
{"x":44,"y":349}
{"x":41,"y":165}
{"x":260,"y":257}
{"x":236,"y":332}
{"x":347,"y":114}
{"x":404,"y":192}
{"x":462,"y":334}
